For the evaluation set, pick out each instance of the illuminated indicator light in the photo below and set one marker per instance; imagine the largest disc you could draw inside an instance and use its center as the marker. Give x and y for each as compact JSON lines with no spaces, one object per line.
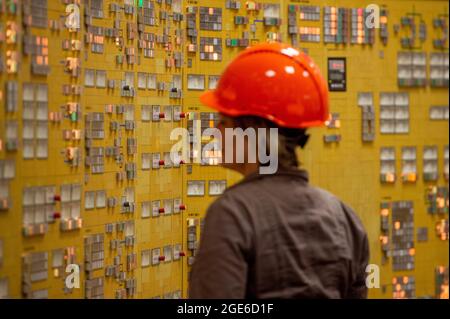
{"x":73,"y":116}
{"x":444,"y":292}
{"x":397,"y":225}
{"x":390,"y":177}
{"x":70,"y":152}
{"x":384,"y":240}
{"x":412,"y":251}
{"x":441,"y":202}
{"x":385,"y":212}
{"x":337,"y":123}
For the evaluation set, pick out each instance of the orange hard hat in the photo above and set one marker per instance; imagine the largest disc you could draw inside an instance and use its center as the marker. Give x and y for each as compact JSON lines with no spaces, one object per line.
{"x":273,"y":81}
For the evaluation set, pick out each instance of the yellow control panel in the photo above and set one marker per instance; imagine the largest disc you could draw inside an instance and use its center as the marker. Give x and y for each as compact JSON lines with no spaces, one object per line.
{"x":91,"y":91}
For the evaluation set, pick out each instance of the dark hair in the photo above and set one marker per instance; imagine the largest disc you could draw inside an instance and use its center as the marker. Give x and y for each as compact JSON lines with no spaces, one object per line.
{"x":288,"y":138}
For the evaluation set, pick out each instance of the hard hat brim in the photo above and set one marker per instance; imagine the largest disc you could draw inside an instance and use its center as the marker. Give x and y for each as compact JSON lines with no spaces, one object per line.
{"x":210,"y":100}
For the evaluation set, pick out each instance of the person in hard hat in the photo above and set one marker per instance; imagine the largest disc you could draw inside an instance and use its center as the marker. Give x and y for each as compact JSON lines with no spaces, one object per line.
{"x":275,"y":235}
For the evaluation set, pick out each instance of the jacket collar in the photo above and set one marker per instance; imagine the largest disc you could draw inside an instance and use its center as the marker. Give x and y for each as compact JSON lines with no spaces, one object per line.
{"x":289,"y":173}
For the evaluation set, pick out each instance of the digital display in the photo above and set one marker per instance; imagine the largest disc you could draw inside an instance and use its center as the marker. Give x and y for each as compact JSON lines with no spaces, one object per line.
{"x":337,"y":75}
{"x":337,"y":65}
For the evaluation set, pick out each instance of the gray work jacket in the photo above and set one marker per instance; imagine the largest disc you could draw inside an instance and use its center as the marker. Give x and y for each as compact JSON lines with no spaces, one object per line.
{"x":276,"y":236}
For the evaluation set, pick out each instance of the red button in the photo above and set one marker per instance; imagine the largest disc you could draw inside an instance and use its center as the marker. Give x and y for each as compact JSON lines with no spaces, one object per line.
{"x":162,"y":115}
{"x":56,"y":215}
{"x":182,"y":115}
{"x":182,"y":207}
{"x":182,"y":254}
{"x":161,"y":210}
{"x":57,"y":198}
{"x":161,"y":162}
{"x":162,"y":258}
